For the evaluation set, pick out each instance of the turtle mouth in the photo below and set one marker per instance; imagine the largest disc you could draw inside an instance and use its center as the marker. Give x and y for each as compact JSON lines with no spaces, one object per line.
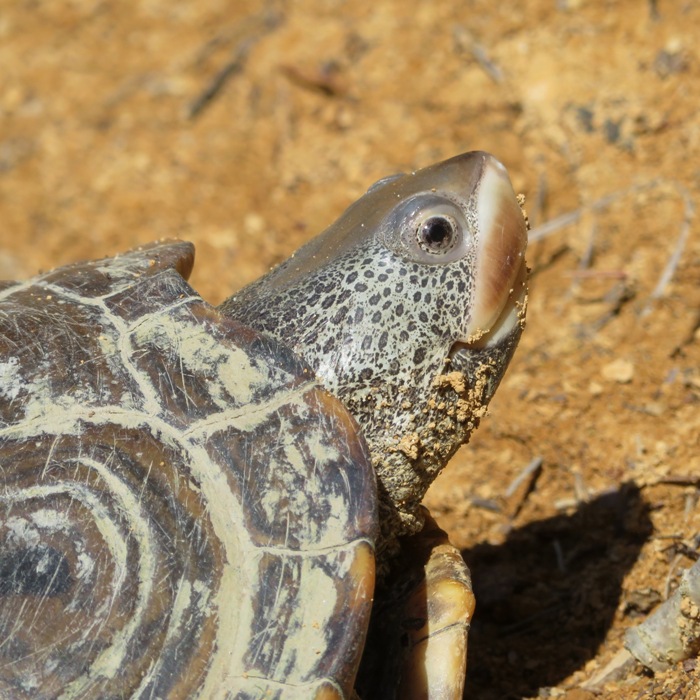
{"x":484,"y":359}
{"x":508,"y":323}
{"x":500,"y":273}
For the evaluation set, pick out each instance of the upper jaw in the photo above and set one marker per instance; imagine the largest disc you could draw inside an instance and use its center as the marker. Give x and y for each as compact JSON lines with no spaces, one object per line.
{"x":500,"y":274}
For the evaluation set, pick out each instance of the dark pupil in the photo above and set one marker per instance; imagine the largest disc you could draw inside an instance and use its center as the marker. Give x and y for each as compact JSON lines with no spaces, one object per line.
{"x":436,"y":232}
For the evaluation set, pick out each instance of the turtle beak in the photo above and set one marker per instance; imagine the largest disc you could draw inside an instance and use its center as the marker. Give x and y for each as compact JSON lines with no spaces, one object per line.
{"x":500,"y":277}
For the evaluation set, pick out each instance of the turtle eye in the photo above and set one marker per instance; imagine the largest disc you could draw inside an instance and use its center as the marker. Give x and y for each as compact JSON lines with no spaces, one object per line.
{"x":437,"y":234}
{"x":430,"y":228}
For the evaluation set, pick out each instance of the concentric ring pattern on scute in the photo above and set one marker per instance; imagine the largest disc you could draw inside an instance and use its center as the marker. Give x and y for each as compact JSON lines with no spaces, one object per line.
{"x":161,"y":511}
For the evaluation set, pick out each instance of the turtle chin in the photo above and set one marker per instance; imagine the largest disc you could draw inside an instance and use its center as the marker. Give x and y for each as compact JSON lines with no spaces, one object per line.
{"x":408,"y":460}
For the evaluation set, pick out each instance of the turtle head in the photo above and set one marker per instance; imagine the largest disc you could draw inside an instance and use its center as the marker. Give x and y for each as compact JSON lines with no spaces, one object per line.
{"x":409,"y":309}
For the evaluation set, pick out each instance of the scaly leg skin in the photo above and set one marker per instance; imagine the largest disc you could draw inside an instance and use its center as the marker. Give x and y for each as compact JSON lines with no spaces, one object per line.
{"x":417,"y":644}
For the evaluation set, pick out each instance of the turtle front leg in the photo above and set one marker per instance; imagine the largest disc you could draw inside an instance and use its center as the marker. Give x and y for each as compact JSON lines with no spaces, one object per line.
{"x":417,"y":643}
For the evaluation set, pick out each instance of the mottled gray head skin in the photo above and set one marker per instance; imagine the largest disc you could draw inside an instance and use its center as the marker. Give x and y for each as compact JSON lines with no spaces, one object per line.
{"x":408,"y":308}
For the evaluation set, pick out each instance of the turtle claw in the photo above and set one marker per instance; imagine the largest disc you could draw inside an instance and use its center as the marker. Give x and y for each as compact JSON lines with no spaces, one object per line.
{"x":417,"y":643}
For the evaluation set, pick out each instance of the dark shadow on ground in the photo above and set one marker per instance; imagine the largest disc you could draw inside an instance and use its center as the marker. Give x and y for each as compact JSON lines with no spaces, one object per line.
{"x":547,"y":596}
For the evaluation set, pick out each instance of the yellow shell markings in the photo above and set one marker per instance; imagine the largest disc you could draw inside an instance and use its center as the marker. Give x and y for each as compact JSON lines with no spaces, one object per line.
{"x":36,"y":406}
{"x":221,"y":504}
{"x":228,"y":368}
{"x":10,"y":379}
{"x":308,"y":622}
{"x":228,"y":373}
{"x":222,"y":508}
{"x":26,"y":529}
{"x":108,"y":662}
{"x":120,"y":269}
{"x":320,"y":535}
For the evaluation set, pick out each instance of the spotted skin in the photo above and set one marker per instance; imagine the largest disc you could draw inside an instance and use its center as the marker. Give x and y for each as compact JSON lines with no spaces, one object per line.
{"x":348,"y":315}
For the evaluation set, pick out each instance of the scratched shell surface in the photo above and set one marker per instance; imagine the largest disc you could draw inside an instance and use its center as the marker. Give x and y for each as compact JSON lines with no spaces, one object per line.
{"x":184,"y":511}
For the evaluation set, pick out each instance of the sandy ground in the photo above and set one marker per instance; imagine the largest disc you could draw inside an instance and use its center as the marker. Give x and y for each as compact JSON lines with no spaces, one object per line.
{"x":246,"y":127}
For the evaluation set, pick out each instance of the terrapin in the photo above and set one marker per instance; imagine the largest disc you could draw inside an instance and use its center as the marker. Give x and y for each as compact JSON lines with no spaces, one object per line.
{"x":189,"y":509}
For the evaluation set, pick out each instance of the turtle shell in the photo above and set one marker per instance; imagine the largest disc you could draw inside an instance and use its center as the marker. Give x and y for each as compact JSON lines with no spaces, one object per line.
{"x":184,"y":511}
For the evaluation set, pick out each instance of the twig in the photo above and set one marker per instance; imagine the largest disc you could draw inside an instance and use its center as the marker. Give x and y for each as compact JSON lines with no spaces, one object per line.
{"x":325,"y":80}
{"x":559,"y":553}
{"x":618,"y":668}
{"x":672,"y":632}
{"x":234,"y":65}
{"x":679,"y":480}
{"x":519,"y":489}
{"x":464,"y":41}
{"x":572,"y":217}
{"x":587,"y":257}
{"x":669,"y":576}
{"x":526,"y":475}
{"x":562,"y":504}
{"x":672,"y":264}
{"x":563,"y":220}
{"x":489,"y":504}
{"x":541,"y":198}
{"x":583,"y":494}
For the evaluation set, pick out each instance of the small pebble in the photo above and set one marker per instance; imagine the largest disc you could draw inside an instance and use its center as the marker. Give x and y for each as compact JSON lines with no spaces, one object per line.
{"x":620,"y":371}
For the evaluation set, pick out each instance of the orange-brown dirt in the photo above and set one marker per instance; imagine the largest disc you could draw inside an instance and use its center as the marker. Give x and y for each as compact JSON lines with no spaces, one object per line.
{"x":107,"y":140}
